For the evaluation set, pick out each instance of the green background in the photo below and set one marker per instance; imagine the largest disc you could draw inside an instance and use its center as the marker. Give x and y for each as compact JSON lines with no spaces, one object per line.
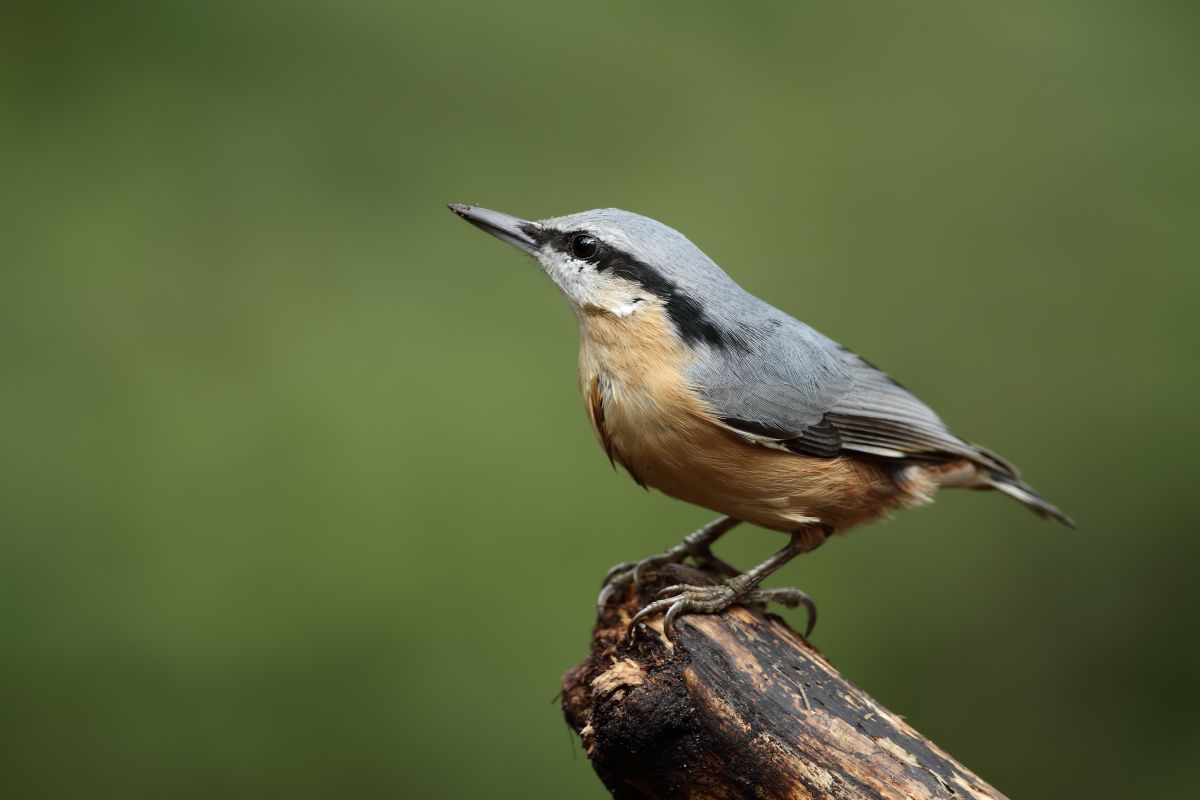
{"x":297,"y":496}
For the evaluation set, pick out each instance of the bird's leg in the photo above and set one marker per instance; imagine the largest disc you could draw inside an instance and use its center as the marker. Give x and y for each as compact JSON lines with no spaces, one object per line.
{"x":739,"y":590}
{"x":697,"y":544}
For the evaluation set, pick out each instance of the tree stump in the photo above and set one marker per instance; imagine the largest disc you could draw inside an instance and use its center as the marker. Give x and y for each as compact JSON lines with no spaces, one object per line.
{"x":740,"y":706}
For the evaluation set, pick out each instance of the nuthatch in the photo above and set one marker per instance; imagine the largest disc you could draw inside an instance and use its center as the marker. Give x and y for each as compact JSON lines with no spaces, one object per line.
{"x":707,"y":393}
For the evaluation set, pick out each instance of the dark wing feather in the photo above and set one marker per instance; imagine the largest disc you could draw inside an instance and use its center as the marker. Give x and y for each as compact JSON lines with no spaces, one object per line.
{"x":881,"y":417}
{"x":821,"y":439}
{"x":796,"y":390}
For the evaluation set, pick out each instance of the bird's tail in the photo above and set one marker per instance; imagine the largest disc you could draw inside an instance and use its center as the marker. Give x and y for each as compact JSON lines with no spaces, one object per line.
{"x":1016,"y":488}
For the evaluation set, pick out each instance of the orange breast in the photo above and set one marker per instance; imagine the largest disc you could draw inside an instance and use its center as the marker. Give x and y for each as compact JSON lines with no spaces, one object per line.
{"x":649,"y":419}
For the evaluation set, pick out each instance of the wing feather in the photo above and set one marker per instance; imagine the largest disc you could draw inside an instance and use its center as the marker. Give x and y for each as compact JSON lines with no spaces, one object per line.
{"x":792,"y":388}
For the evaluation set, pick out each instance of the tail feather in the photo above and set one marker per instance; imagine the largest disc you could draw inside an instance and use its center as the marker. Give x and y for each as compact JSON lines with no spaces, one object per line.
{"x":1023,"y":492}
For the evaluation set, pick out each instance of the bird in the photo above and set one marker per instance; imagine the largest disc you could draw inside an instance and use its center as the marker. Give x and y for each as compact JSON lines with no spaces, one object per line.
{"x":705,"y":392}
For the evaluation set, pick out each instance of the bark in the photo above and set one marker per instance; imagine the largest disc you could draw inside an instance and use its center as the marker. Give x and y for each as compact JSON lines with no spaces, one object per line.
{"x":740,"y":706}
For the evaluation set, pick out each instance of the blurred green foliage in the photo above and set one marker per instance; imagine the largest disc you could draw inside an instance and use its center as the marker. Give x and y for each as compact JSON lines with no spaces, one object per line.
{"x":297,"y":497}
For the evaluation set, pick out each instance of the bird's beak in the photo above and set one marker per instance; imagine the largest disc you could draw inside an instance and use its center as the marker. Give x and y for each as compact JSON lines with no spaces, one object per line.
{"x":514,"y":230}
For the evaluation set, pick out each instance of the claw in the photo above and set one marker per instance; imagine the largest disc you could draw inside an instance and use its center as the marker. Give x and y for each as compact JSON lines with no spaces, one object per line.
{"x":696,"y":545}
{"x":669,"y":618}
{"x":788,"y":598}
{"x":635,"y":572}
{"x":639,"y":569}
{"x":739,"y":589}
{"x":606,"y":594}
{"x":615,"y":570}
{"x":683,"y":598}
{"x":649,"y":610}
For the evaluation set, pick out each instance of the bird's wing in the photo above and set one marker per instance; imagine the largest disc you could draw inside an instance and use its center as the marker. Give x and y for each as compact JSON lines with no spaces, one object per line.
{"x":880,"y":417}
{"x":797,"y":390}
{"x":777,"y":387}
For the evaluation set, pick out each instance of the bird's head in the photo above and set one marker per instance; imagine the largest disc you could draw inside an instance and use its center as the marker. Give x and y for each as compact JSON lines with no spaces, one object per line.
{"x":620,"y":264}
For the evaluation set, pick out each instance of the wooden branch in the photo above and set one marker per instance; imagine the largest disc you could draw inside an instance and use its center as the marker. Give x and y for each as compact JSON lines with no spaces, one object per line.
{"x":740,"y":706}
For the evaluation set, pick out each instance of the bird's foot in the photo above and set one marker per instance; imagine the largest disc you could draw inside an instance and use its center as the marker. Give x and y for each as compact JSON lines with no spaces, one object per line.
{"x":687,"y":599}
{"x":634,"y":572}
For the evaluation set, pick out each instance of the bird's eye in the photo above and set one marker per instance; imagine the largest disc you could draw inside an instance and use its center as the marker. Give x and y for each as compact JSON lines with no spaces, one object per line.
{"x":584,"y":247}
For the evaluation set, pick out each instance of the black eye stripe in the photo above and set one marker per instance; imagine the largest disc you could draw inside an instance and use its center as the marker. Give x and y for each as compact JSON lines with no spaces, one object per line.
{"x":561,"y":240}
{"x":685,"y":313}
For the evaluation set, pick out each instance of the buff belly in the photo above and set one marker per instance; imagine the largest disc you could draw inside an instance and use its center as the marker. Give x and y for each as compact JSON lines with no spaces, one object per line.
{"x":652,"y":422}
{"x":683,"y":454}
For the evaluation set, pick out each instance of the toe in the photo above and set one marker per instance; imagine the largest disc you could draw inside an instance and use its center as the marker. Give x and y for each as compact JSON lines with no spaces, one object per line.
{"x":677,"y":608}
{"x":641,"y":569}
{"x":615,"y":571}
{"x":649,"y":611}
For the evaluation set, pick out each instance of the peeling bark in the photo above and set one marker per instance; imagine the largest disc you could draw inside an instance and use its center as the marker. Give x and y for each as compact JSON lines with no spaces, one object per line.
{"x":739,"y":706}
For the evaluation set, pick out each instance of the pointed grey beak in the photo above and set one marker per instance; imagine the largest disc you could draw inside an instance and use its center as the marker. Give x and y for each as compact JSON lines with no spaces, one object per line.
{"x":514,"y":230}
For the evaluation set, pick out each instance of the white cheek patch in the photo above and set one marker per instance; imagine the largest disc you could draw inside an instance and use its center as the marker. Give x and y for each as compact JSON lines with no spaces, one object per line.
{"x":585,"y":286}
{"x":576,"y":279}
{"x":628,"y":308}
